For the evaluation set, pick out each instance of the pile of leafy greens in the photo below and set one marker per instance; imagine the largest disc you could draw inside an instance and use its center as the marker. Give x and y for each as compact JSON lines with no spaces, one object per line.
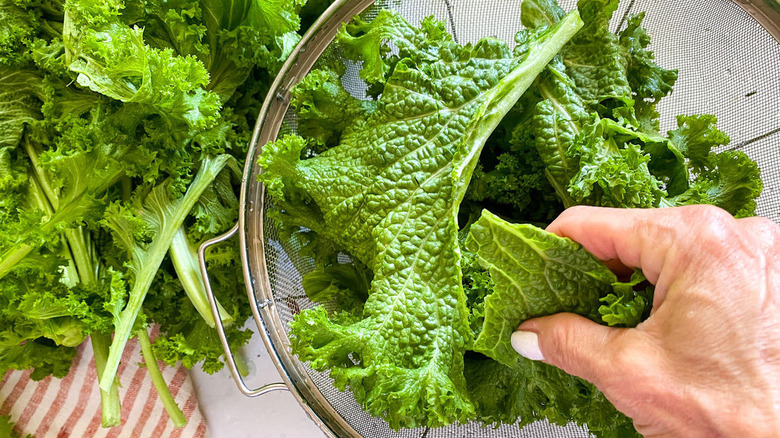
{"x":122,"y":131}
{"x":417,"y":326}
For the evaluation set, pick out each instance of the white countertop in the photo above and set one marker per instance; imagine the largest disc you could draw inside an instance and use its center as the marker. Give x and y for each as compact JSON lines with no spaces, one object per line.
{"x":230,"y":414}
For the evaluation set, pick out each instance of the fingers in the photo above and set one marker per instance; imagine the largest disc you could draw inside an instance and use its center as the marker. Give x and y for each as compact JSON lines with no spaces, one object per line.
{"x":570,"y":342}
{"x":637,"y":238}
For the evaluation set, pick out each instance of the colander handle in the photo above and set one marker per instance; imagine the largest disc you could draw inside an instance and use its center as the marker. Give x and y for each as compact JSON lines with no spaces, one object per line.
{"x":231,"y":362}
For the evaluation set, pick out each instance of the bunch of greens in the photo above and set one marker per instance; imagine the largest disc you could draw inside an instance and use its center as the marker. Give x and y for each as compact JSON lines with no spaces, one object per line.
{"x":122,"y":130}
{"x":418,"y":325}
{"x":588,"y":131}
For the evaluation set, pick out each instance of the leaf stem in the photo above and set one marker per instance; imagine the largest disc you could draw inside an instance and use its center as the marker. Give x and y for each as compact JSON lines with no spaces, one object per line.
{"x":185,"y":262}
{"x":146,"y":262}
{"x":38,"y":172}
{"x":109,"y":400}
{"x":79,"y":243}
{"x":82,"y":259}
{"x":177,"y":416}
{"x":241,"y":364}
{"x":14,"y":255}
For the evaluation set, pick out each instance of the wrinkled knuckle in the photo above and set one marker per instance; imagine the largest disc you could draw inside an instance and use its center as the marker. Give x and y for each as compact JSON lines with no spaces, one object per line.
{"x":706,"y":214}
{"x":712,"y":224}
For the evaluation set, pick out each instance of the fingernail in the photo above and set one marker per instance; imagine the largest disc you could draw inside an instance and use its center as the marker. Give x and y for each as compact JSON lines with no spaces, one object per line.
{"x":527,"y":344}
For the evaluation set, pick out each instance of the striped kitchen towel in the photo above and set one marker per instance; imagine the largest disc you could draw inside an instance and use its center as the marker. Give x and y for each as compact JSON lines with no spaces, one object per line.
{"x":70,"y":407}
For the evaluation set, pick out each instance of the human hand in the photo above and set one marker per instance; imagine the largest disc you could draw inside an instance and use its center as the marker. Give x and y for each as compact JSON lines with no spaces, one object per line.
{"x":706,"y":363}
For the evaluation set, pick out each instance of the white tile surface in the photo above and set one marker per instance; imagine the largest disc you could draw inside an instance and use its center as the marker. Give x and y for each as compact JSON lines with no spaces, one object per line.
{"x":229,"y":414}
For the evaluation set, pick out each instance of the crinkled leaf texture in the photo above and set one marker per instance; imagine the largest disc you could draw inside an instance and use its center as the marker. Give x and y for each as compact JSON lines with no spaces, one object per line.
{"x":100,"y":100}
{"x":629,"y":304}
{"x":389,"y":195}
{"x":536,"y":273}
{"x":229,"y":37}
{"x":728,"y":179}
{"x":18,"y":103}
{"x":324,"y":107}
{"x":587,"y":163}
{"x":596,"y":128}
{"x":113,"y":59}
{"x":366,"y":42}
{"x":534,"y":390}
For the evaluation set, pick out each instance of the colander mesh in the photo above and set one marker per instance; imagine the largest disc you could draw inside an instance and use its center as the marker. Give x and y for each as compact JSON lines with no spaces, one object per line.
{"x":728,"y":66}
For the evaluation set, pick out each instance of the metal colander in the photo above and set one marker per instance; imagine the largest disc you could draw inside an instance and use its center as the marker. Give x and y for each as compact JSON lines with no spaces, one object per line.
{"x":728,"y":57}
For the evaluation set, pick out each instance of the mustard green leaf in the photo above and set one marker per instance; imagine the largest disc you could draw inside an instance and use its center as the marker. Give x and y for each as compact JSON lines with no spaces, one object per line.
{"x":389,"y":195}
{"x":535,"y":273}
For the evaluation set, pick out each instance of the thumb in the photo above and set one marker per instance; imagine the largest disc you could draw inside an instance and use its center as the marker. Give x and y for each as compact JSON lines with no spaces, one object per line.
{"x":571,"y":342}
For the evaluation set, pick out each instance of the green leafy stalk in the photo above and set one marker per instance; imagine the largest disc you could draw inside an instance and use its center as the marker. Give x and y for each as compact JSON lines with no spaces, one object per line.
{"x":111,"y":410}
{"x":165,"y":217}
{"x":12,"y":257}
{"x":79,"y":251}
{"x":596,"y":128}
{"x":100,"y":101}
{"x":185,"y":261}
{"x":78,"y":243}
{"x":77,"y":199}
{"x":177,"y":416}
